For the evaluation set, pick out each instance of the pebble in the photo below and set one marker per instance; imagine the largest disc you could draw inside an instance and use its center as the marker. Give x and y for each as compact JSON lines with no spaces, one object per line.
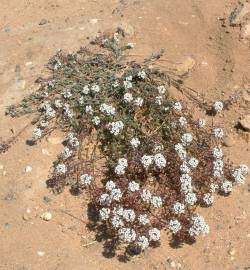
{"x":245,"y":31}
{"x":28,"y":169}
{"x":232,"y":252}
{"x":46,"y":152}
{"x":43,"y":21}
{"x":245,"y":123}
{"x":47,"y":216}
{"x":1,"y":166}
{"x":228,"y":141}
{"x":26,"y":215}
{"x":238,"y":15}
{"x":94,"y":21}
{"x":40,"y":253}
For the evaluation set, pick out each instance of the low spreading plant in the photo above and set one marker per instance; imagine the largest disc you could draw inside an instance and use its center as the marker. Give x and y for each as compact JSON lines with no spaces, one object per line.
{"x":149,"y":164}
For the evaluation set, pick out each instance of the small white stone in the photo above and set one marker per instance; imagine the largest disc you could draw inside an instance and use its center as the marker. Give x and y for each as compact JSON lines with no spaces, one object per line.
{"x":47,"y":216}
{"x":1,"y":166}
{"x":28,"y":169}
{"x":40,"y":253}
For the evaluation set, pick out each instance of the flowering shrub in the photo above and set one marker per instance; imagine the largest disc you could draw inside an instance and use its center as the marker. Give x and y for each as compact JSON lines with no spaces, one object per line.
{"x":150,"y":165}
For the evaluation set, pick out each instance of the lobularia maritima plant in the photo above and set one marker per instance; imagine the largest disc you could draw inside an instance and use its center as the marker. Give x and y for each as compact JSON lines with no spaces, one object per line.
{"x":151,"y":164}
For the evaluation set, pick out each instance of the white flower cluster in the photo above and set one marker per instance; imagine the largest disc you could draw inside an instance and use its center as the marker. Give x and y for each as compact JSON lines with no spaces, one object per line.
{"x":107,"y":109}
{"x":128,"y":215}
{"x":127,"y":234}
{"x":86,"y":179}
{"x":146,"y":195}
{"x":218,"y":133}
{"x":161,"y":89}
{"x":110,"y":185}
{"x":68,"y":112}
{"x":199,"y":226}
{"x":218,"y":165}
{"x":208,"y":198}
{"x":135,"y":142}
{"x":143,"y":219}
{"x":226,"y":186}
{"x":67,"y":94}
{"x":190,"y":198}
{"x":61,"y":169}
{"x":218,"y":106}
{"x":177,"y":106}
{"x":104,"y":213}
{"x":138,"y":101}
{"x":182,"y":121}
{"x":217,"y":153}
{"x":156,"y":201}
{"x":178,"y":208}
{"x":128,"y":97}
{"x":180,"y":150}
{"x":86,"y":89}
{"x":160,"y":161}
{"x":174,"y":226}
{"x":146,"y":161}
{"x":95,"y":88}
{"x":158,"y":100}
{"x":133,"y":186}
{"x":202,"y":123}
{"x":186,"y":139}
{"x":240,"y":173}
{"x":72,"y":140}
{"x":142,"y":74}
{"x":142,"y":242}
{"x":36,"y":134}
{"x":186,"y":183}
{"x":121,"y":166}
{"x":66,"y":153}
{"x":116,"y":127}
{"x":96,"y":120}
{"x":49,"y":111}
{"x":154,"y":234}
{"x":127,"y":84}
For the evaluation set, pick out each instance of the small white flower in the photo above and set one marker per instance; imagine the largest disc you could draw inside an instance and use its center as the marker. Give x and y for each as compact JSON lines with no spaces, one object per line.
{"x":227,"y":186}
{"x":61,"y":169}
{"x":115,"y":84}
{"x":133,"y":186}
{"x":86,"y":179}
{"x":186,"y":138}
{"x":190,"y":198}
{"x":174,"y":226}
{"x":156,"y":201}
{"x":110,"y":185}
{"x":67,"y":94}
{"x":116,"y":194}
{"x":58,"y":103}
{"x":244,"y":169}
{"x":217,"y":152}
{"x":104,"y":213}
{"x":208,"y":198}
{"x":128,"y":215}
{"x":123,"y":162}
{"x":199,"y":226}
{"x":177,"y":106}
{"x":96,"y":120}
{"x":213,"y":188}
{"x":158,"y":100}
{"x":117,"y":221}
{"x":119,"y":169}
{"x":154,"y":234}
{"x":202,"y":123}
{"x":107,"y":109}
{"x":135,"y":142}
{"x":180,"y":151}
{"x":218,"y":133}
{"x":116,"y":127}
{"x":127,"y":97}
{"x":146,"y":161}
{"x":36,"y":134}
{"x":178,"y":208}
{"x":142,"y":74}
{"x":182,"y":121}
{"x":238,"y":176}
{"x":138,"y":101}
{"x":184,"y":167}
{"x":72,"y":140}
{"x":127,"y":84}
{"x":89,"y":109}
{"x":160,"y":161}
{"x":218,"y":106}
{"x":86,"y":89}
{"x":129,"y":78}
{"x":95,"y":88}
{"x":142,"y":242}
{"x":127,"y":234}
{"x":66,"y":153}
{"x":105,"y":199}
{"x":146,"y":195}
{"x":143,"y":219}
{"x":161,"y":89}
{"x":193,"y":162}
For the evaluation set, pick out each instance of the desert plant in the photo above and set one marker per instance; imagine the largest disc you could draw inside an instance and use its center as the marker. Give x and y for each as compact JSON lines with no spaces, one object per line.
{"x":150,"y":164}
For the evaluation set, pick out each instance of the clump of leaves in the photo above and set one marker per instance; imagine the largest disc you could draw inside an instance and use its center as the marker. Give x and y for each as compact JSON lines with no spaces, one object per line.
{"x":149,"y":164}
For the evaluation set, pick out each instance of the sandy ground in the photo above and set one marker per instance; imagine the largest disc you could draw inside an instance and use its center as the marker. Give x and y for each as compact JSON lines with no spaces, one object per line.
{"x":197,"y":38}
